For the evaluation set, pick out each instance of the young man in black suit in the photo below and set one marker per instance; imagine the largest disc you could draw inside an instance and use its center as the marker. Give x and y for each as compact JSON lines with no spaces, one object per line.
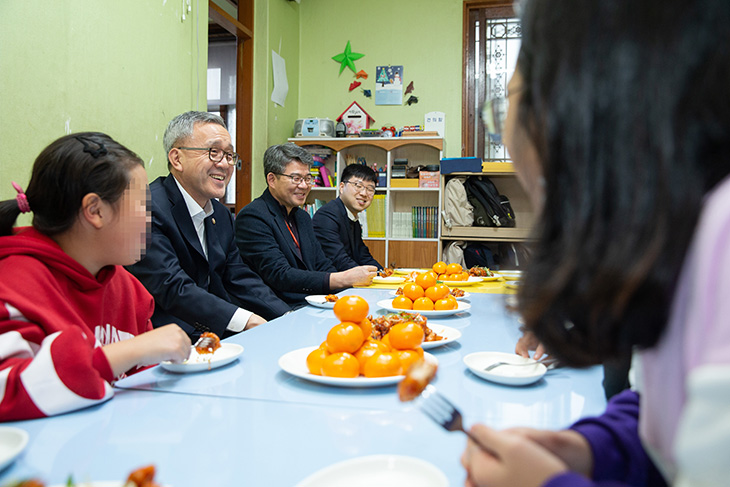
{"x":336,"y":225}
{"x":276,"y":237}
{"x":192,"y":267}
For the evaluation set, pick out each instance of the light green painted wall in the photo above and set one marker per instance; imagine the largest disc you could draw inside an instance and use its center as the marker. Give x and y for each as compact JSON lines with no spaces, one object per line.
{"x":120,"y":67}
{"x":425,"y":36}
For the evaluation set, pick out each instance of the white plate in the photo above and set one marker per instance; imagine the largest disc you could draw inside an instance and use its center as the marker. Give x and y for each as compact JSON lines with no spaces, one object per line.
{"x":449,"y":334}
{"x":388,"y":304}
{"x":295,"y":363}
{"x":512,"y":284}
{"x":469,"y":282}
{"x":389,"y":280}
{"x":504,"y":374}
{"x":12,"y":442}
{"x":200,"y":362}
{"x":98,"y":483}
{"x":378,"y":470}
{"x":465,"y":296}
{"x":511,"y":275}
{"x":407,"y":270}
{"x":319,"y":301}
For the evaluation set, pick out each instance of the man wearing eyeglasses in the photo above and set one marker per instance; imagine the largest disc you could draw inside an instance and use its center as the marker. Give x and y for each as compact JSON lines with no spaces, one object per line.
{"x":336,"y":224}
{"x":192,"y":267}
{"x":276,"y":237}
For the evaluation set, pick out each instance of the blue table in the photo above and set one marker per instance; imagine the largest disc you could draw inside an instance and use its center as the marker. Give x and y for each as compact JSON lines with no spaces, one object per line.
{"x":250,"y":423}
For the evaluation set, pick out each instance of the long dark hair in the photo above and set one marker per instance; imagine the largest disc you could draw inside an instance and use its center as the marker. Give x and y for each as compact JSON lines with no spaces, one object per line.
{"x":628,"y":105}
{"x":66,"y":171}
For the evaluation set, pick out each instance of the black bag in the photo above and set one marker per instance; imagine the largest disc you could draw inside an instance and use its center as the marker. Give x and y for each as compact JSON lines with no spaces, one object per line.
{"x":491,"y":209}
{"x":478,"y":254}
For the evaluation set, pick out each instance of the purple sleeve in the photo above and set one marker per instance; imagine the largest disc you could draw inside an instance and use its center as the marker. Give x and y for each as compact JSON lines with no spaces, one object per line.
{"x":619,"y":457}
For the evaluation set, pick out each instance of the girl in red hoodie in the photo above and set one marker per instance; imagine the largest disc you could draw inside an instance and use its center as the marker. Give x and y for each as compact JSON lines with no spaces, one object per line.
{"x":72,"y":319}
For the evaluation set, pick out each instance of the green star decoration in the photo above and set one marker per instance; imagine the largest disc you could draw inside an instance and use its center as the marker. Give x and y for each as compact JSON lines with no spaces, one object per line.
{"x":347,"y":58}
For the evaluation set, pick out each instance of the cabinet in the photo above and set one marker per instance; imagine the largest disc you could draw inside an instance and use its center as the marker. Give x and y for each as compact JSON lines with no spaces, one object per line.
{"x":391,"y":246}
{"x":503,"y":176}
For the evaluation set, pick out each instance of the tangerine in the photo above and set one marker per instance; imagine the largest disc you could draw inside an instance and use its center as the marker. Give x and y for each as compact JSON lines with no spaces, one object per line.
{"x":368,"y":349}
{"x":315,"y":360}
{"x":437,"y":291}
{"x":405,"y":336}
{"x":383,"y":364}
{"x":402,"y":302}
{"x":444,"y":303}
{"x":408,"y":357}
{"x":439,"y":267}
{"x":423,"y":304}
{"x":386,"y":341}
{"x":345,"y":337}
{"x":351,"y":308}
{"x":425,"y":280}
{"x":341,"y":364}
{"x":412,"y":291}
{"x":453,"y":268}
{"x":367,"y":328}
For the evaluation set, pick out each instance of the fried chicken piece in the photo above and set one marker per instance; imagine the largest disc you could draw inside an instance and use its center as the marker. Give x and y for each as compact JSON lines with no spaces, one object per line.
{"x":480,"y":272}
{"x":456,"y":292}
{"x":387,"y":272}
{"x":143,"y":477}
{"x":331,"y":298}
{"x":419,"y":375}
{"x":208,"y":343}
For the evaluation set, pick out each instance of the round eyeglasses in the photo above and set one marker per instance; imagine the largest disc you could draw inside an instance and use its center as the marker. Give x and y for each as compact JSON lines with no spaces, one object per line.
{"x":361,"y":188}
{"x":217,"y":155}
{"x":297,"y":179}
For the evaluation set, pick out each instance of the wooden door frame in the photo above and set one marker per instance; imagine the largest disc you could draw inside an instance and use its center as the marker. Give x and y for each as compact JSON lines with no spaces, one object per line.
{"x":242,"y":28}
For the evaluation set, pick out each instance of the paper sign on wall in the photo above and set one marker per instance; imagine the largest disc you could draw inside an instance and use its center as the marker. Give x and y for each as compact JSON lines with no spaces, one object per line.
{"x":389,"y":85}
{"x":281,"y":85}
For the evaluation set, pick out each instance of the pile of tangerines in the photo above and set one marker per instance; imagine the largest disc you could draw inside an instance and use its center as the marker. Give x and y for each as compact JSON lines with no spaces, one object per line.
{"x":426,"y":293}
{"x":350,"y":351}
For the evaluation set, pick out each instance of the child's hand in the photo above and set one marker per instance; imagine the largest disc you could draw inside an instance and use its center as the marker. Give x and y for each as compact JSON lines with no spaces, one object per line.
{"x":168,"y":342}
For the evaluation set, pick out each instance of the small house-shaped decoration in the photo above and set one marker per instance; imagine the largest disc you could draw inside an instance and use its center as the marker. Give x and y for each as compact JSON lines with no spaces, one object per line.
{"x":355,"y":119}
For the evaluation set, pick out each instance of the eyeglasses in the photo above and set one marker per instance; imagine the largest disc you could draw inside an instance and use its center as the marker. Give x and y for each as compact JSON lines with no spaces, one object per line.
{"x":493,"y":115}
{"x":297,"y":179}
{"x":217,"y":155}
{"x":359,"y":188}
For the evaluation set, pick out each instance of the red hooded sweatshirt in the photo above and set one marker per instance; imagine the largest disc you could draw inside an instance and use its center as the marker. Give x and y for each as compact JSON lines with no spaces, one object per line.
{"x":54,"y":318}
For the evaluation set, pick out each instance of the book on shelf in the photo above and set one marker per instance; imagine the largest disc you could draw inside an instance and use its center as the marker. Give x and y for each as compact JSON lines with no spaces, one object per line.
{"x":326,"y":178}
{"x":424,"y":221}
{"x":311,"y":208}
{"x":376,"y":216}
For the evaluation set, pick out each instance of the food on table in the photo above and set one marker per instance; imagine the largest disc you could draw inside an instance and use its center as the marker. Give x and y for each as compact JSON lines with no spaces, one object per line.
{"x":208,"y":343}
{"x":383,"y":324}
{"x":387,"y":272}
{"x":453,"y":272}
{"x":456,"y":292}
{"x":354,"y":347}
{"x":330,"y":298}
{"x":423,"y":293}
{"x":478,"y":271}
{"x":439,"y":267}
{"x":418,"y":376}
{"x":142,"y":477}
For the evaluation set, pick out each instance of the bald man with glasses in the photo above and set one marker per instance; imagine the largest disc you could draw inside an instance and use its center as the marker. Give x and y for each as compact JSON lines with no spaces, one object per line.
{"x":192,"y":267}
{"x":276,"y":237}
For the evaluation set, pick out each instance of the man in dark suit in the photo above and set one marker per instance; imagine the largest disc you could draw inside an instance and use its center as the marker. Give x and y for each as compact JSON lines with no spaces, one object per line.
{"x":276,"y":237}
{"x":192,"y":266}
{"x":336,"y":225}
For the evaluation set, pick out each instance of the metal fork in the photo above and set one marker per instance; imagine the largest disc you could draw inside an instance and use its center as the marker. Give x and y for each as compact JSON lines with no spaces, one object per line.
{"x":547,"y":363}
{"x":440,"y":410}
{"x":203,"y":343}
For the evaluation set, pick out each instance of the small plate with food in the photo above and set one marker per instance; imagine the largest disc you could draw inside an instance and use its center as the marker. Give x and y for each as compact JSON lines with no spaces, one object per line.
{"x":462,"y":306}
{"x":442,"y":336}
{"x":469,"y":282}
{"x":322,"y":300}
{"x":511,"y":275}
{"x":458,"y":294}
{"x":389,"y":280}
{"x":517,"y":370}
{"x":200,"y":360}
{"x":380,"y":470}
{"x":408,"y":270}
{"x":295,"y":363}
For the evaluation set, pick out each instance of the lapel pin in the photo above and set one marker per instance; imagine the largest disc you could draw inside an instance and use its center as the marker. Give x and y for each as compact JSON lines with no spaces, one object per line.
{"x":213,"y":220}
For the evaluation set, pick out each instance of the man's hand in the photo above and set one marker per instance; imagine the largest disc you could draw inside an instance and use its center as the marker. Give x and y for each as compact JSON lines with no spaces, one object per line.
{"x":357,"y":276}
{"x":254,"y":321}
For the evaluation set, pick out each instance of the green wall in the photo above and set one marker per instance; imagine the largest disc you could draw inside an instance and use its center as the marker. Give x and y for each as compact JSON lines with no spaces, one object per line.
{"x":425,"y":36}
{"x":120,"y":67}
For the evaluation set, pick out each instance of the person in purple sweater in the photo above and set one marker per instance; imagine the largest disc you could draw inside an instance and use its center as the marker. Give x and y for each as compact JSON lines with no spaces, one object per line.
{"x":619,"y":128}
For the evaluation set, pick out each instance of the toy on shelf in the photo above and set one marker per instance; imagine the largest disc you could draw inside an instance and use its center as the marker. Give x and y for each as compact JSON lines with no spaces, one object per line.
{"x":355,"y":119}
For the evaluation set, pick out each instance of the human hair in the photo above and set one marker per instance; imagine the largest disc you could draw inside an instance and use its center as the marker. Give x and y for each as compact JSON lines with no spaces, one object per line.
{"x":277,"y":157}
{"x":359,"y":171}
{"x":182,"y":127}
{"x":64,"y":172}
{"x":627,"y":105}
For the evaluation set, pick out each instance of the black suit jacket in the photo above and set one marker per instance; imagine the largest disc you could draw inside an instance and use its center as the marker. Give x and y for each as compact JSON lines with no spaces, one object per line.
{"x":187,"y":287}
{"x":267,"y":246}
{"x":344,"y":248}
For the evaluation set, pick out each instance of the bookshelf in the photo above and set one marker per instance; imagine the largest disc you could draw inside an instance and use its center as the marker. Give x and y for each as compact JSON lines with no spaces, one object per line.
{"x":399,"y":209}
